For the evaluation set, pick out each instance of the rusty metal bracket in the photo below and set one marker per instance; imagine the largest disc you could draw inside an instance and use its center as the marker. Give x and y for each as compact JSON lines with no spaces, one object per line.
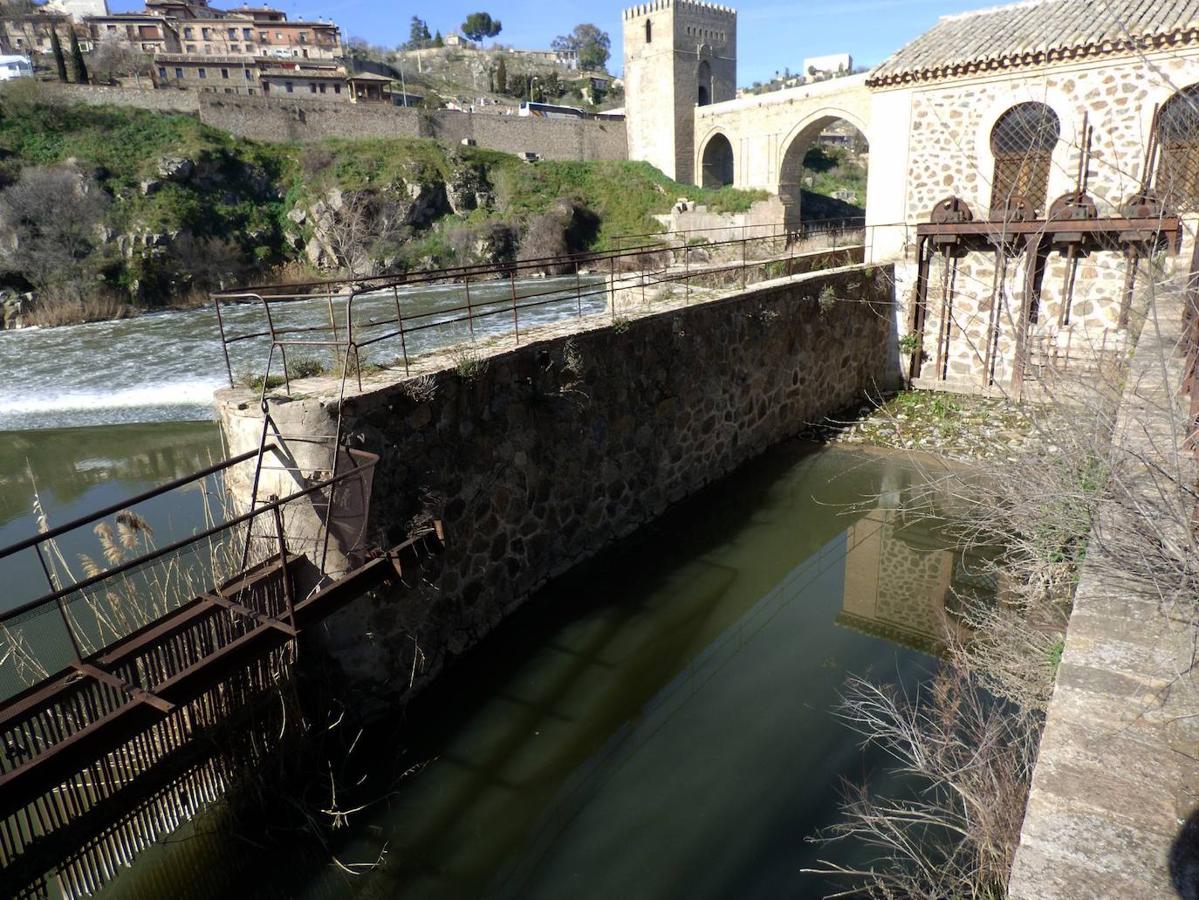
{"x":139,"y":694}
{"x":252,"y":614}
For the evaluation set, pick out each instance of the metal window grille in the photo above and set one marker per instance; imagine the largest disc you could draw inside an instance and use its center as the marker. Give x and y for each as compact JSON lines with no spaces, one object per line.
{"x":1022,"y":142}
{"x":1177,"y":178}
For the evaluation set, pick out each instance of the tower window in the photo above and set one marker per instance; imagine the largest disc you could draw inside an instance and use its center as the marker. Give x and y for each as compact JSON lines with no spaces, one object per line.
{"x":649,"y":31}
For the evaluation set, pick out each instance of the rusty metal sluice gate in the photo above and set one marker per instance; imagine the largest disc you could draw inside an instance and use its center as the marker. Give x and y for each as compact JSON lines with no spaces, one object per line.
{"x":113,"y":685}
{"x":1071,"y":227}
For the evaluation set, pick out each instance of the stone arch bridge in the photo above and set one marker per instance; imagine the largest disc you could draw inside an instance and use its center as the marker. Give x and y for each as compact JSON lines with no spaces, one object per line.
{"x":759,"y":142}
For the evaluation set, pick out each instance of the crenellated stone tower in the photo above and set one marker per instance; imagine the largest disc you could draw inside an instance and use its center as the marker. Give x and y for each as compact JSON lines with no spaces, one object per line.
{"x":678,"y":54}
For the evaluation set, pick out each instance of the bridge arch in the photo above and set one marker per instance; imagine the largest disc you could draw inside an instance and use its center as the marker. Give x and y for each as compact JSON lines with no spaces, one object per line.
{"x":717,"y":164}
{"x":794,"y":147}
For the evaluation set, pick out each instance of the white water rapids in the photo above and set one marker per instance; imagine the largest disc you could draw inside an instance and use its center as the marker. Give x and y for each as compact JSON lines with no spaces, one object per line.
{"x":164,"y":367}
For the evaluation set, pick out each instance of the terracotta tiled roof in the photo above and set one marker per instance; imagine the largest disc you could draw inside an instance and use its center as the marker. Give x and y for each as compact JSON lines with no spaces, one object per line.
{"x":1039,"y":32}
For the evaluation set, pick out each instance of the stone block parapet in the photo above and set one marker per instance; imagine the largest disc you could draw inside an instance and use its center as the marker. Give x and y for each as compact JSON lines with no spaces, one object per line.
{"x":1118,"y":766}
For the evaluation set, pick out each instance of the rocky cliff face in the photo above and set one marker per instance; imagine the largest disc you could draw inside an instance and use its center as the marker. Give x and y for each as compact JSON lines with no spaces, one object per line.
{"x":14,"y":309}
{"x":330,"y":229}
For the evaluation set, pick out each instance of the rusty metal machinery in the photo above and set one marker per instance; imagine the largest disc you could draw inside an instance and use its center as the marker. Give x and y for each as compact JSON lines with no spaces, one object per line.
{"x":1015,"y":209}
{"x":951,"y":211}
{"x":1071,"y":227}
{"x":1073,"y":207}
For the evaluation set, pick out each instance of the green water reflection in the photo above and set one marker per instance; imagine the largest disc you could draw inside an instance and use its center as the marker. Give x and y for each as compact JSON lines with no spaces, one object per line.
{"x":656,"y":724}
{"x":75,"y":471}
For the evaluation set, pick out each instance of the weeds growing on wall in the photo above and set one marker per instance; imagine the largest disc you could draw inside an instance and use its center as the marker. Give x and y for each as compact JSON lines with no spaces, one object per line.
{"x":468,"y":363}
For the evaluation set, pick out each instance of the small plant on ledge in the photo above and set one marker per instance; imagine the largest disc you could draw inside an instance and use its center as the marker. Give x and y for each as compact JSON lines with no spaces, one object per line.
{"x":469,"y":364}
{"x":827,"y":299}
{"x":909,"y":343}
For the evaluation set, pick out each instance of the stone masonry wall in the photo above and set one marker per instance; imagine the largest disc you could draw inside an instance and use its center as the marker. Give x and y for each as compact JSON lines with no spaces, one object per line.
{"x":273,"y":119}
{"x":1092,"y":329}
{"x":561,"y":447}
{"x":948,"y":153}
{"x":949,"y":150}
{"x":94,"y":95}
{"x":276,"y":119}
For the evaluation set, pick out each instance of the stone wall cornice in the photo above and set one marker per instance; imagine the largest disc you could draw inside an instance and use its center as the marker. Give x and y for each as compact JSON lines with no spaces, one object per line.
{"x":1187,"y":37}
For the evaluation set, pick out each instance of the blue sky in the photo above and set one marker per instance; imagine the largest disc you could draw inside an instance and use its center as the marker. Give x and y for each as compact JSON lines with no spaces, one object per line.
{"x":773,"y":34}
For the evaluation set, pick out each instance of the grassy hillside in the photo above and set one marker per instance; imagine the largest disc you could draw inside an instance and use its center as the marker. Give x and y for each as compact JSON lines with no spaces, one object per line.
{"x":225,"y":216}
{"x":828,"y":170}
{"x":625,"y":195}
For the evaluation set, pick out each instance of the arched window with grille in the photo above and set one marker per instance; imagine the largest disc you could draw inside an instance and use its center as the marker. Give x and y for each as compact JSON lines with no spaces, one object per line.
{"x":1176,"y":181}
{"x":1022,"y":143}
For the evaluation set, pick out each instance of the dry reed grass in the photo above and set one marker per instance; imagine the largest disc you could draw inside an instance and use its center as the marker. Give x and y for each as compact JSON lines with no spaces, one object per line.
{"x":51,"y":312}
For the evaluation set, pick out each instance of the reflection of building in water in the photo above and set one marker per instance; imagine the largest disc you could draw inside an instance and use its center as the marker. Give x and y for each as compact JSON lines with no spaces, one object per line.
{"x":900,"y":579}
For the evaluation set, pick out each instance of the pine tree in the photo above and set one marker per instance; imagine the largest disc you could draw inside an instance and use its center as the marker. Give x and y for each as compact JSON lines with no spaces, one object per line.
{"x":438,"y":40}
{"x":501,"y":77}
{"x":418,"y":34}
{"x":60,"y":61}
{"x":77,"y":60}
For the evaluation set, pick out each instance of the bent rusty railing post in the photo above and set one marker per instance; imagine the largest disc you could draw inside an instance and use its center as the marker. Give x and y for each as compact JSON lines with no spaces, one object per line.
{"x":470,"y":316}
{"x":578,"y":291}
{"x":395,"y":291}
{"x":515,"y":321}
{"x":220,"y":321}
{"x":288,"y":595}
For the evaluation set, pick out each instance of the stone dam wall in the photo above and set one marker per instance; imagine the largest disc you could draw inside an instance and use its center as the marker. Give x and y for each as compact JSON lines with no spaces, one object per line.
{"x":277,"y":119}
{"x":559,"y":448}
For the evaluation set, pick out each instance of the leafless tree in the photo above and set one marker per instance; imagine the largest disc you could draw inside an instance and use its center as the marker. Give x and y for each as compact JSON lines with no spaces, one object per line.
{"x":112,"y":58}
{"x":50,"y":230}
{"x":360,"y":226}
{"x":968,"y":761}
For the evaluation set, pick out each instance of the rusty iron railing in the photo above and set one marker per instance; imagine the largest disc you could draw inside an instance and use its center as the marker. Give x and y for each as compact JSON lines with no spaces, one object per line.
{"x":495,"y":297}
{"x":115,"y":685}
{"x":129,"y":581}
{"x":1190,"y":349}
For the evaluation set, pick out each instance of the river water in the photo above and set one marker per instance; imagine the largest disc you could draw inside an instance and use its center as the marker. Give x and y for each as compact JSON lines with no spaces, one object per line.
{"x":658,"y":723}
{"x":164,"y":367}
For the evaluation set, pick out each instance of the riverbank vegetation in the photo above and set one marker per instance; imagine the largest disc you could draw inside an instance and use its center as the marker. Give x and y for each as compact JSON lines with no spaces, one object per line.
{"x":966,"y":744}
{"x":148,"y":208}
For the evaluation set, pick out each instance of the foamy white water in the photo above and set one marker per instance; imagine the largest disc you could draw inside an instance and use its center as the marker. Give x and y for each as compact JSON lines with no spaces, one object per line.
{"x":164,"y":367}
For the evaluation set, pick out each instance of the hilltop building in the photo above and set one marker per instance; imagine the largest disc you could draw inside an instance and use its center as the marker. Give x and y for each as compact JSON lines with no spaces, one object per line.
{"x":15,"y":67}
{"x":28,"y":33}
{"x":192,"y":45}
{"x":827,"y":66}
{"x":77,"y":9}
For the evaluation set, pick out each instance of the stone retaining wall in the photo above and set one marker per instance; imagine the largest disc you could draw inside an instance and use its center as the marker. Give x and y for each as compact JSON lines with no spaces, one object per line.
{"x":96,"y":95}
{"x":1118,"y":766}
{"x":277,"y":119}
{"x":559,"y":448}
